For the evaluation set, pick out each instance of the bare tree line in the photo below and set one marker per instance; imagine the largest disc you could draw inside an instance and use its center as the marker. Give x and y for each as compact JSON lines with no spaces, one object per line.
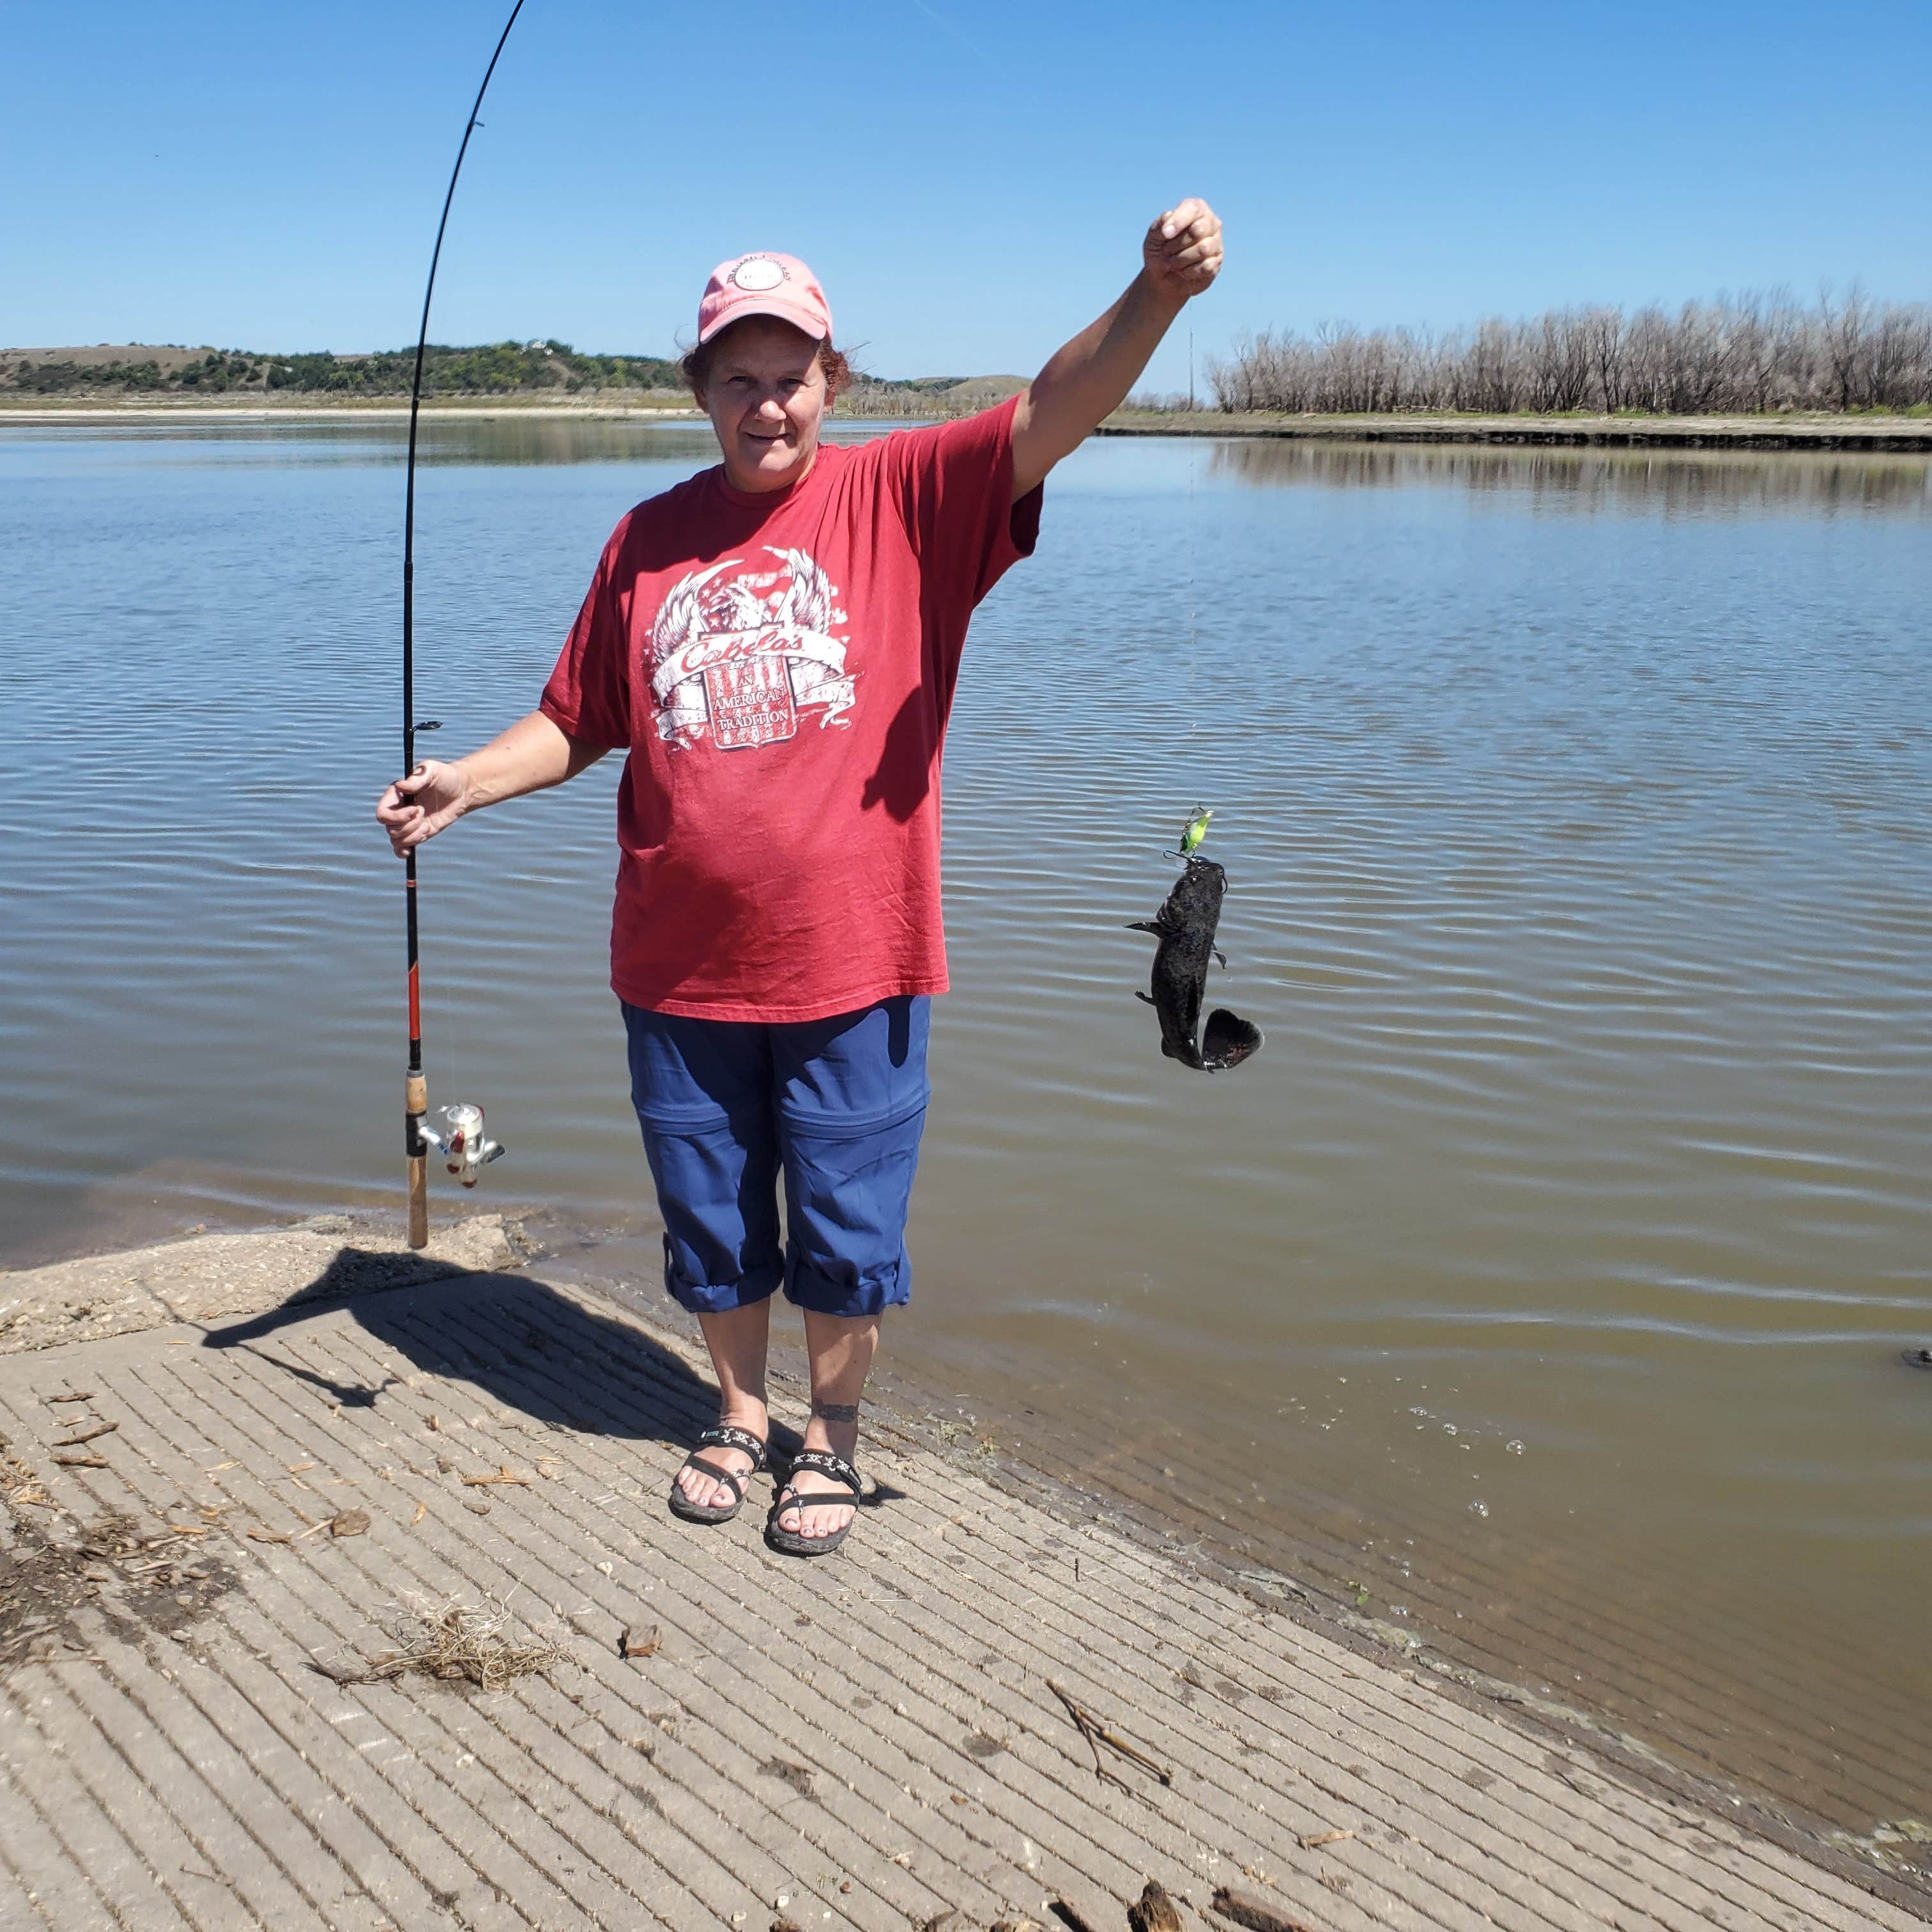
{"x":1751,"y":354}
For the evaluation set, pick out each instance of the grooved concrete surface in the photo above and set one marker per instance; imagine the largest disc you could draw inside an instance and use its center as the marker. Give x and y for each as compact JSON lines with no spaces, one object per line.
{"x":868,"y":1741}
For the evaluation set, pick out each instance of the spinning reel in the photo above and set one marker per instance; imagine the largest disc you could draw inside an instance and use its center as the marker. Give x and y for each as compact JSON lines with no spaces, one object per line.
{"x":461,"y":1141}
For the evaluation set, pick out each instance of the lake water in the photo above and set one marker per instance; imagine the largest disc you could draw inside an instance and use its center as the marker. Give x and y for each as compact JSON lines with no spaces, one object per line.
{"x":1539,"y":1292}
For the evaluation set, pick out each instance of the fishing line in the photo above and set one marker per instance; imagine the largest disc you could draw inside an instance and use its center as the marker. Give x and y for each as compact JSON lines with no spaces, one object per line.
{"x":1193,"y":470}
{"x":461,"y":1140}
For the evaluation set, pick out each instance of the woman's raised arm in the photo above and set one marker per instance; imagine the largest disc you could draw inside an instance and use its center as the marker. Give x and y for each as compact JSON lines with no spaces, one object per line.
{"x":1089,"y":379}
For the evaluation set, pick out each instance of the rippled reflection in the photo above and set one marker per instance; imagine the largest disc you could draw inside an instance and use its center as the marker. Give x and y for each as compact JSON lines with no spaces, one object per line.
{"x":1671,"y":480}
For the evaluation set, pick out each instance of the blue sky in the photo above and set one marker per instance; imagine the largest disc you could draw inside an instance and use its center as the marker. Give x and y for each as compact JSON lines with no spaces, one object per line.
{"x":970,"y":177}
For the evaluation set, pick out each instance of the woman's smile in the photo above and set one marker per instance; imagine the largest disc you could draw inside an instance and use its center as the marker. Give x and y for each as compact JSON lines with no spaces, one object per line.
{"x":766,"y":395}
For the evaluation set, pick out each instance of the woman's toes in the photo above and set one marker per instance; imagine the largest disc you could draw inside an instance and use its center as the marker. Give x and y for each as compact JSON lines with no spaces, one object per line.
{"x":823,"y":1521}
{"x":815,"y":1514}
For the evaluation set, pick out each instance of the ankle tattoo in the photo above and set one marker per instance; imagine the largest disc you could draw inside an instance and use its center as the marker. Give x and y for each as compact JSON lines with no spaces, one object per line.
{"x":835,"y":1411}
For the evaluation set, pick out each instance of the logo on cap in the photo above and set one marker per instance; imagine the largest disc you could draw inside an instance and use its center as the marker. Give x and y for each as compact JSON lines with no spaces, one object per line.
{"x":757,"y":274}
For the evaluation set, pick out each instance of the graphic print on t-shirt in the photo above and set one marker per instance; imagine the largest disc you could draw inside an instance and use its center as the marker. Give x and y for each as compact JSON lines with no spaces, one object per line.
{"x":741,"y":658}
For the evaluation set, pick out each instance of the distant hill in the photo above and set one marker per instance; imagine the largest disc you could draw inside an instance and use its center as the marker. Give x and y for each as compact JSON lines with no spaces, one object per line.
{"x":927,"y":395}
{"x":168,"y":360}
{"x":130,"y":371}
{"x":498,"y":369}
{"x":980,"y":392}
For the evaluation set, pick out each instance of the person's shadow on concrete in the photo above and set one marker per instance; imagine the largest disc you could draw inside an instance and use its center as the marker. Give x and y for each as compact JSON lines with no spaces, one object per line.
{"x":527,"y":1346}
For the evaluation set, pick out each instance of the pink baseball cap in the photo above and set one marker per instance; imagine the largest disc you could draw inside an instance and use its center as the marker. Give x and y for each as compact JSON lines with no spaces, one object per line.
{"x":764,"y":284}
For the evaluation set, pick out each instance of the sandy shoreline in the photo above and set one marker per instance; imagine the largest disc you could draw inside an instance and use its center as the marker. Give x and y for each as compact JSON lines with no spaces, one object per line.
{"x":43,"y":415}
{"x":1765,"y":433}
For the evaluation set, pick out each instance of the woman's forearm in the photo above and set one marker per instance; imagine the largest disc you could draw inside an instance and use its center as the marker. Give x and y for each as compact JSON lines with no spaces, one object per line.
{"x":1087,"y":380}
{"x":534,"y":754}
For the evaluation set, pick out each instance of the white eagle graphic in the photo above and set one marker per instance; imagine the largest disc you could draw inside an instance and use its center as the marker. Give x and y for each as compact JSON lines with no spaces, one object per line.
{"x":738,"y":658}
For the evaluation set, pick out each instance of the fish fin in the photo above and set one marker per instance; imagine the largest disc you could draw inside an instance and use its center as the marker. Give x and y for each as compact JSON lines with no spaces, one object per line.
{"x":1223,"y":957}
{"x":1228,"y":1040}
{"x":1147,"y":996}
{"x":1142,"y":925}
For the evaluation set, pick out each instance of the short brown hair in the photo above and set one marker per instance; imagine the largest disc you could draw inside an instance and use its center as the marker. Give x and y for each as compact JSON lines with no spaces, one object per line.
{"x":697,"y":364}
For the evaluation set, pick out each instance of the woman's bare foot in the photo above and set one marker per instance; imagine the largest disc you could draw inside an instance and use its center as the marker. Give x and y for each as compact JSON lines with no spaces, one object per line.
{"x":840,"y":1348}
{"x":804,"y":1517}
{"x":834,"y":1426}
{"x":738,"y":1339}
{"x":704,"y":1491}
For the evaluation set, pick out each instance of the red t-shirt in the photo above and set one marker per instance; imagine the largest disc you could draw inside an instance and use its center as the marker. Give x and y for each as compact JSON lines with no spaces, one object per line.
{"x":781,"y":666}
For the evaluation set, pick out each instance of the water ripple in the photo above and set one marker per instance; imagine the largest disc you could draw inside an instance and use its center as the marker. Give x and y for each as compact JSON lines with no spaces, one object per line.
{"x":1573,"y":810}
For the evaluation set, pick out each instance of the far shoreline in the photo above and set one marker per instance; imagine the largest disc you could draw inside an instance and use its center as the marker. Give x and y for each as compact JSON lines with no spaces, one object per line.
{"x":43,"y":412}
{"x":1812,"y":431}
{"x":1816,"y":430}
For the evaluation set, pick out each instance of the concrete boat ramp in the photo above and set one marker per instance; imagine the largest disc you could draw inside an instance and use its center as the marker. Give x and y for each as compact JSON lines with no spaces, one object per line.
{"x":261,"y":1488}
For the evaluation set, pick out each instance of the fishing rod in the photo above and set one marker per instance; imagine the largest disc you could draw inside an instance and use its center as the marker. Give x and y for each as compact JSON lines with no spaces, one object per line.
{"x":461,"y":1139}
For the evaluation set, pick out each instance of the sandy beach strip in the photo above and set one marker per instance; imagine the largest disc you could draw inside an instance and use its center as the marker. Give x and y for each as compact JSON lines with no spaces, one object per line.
{"x":41,"y":415}
{"x":1768,"y":434}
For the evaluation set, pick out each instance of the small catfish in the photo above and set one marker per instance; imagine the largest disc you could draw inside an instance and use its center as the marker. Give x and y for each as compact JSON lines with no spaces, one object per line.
{"x":1185,"y":927}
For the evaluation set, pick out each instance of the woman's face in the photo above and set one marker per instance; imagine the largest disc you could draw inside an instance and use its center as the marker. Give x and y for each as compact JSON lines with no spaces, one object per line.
{"x":765,"y":395}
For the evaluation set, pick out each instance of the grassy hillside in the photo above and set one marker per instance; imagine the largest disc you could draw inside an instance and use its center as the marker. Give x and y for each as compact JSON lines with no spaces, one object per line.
{"x":497,"y":369}
{"x":132,"y":371}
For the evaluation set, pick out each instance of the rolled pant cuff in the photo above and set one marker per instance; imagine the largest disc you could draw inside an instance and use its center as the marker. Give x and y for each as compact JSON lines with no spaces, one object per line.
{"x":720,"y":1298}
{"x":805,"y":1287}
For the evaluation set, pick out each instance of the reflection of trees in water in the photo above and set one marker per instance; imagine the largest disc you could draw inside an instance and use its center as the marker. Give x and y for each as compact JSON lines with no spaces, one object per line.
{"x":551,"y":439}
{"x":314,"y":442}
{"x":1676,"y":479}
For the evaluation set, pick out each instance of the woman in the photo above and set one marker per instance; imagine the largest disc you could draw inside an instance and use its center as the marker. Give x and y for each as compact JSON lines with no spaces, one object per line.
{"x":775,"y":644}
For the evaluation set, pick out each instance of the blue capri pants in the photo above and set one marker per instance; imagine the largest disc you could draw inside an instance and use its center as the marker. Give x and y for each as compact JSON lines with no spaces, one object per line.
{"x":836,"y":1106}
